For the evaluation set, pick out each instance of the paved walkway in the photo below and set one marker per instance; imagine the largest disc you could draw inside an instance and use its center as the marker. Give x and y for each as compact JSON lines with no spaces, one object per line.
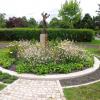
{"x":24,"y":89}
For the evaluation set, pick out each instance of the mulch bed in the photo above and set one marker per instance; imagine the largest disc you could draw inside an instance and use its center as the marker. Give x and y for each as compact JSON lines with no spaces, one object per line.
{"x":81,"y":80}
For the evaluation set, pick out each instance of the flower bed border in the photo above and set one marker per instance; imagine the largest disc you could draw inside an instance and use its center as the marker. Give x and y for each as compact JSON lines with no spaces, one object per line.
{"x":56,"y":76}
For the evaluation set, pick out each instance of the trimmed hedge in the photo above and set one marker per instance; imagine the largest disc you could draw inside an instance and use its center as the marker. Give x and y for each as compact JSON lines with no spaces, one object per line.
{"x":80,"y":35}
{"x":97,"y":32}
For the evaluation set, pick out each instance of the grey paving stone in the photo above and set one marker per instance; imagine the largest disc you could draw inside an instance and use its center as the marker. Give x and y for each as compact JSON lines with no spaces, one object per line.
{"x":24,"y":89}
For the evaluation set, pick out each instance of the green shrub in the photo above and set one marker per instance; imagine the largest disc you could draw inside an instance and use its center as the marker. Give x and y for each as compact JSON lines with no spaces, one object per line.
{"x":2,"y":86}
{"x":22,"y":67}
{"x":5,"y":60}
{"x":97,"y":32}
{"x":80,"y":35}
{"x":49,"y":68}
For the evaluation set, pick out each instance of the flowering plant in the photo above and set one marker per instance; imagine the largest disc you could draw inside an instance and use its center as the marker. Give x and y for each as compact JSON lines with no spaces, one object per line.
{"x":37,"y":55}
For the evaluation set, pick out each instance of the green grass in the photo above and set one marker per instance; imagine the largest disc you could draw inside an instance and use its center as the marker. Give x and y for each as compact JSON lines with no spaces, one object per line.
{"x":93,"y":47}
{"x":5,"y":42}
{"x":2,"y":86}
{"x":6,"y":78}
{"x":93,"y":42}
{"x":97,"y":42}
{"x":90,"y":92}
{"x":95,"y":51}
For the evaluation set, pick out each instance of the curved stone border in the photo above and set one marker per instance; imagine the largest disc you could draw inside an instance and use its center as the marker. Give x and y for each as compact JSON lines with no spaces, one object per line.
{"x":75,"y":86}
{"x":56,"y":76}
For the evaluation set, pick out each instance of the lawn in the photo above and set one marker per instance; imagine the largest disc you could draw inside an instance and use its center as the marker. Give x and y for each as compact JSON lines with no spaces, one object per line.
{"x":93,"y":47}
{"x":95,"y":42}
{"x":2,"y":86}
{"x":6,"y":78}
{"x":89,"y":92}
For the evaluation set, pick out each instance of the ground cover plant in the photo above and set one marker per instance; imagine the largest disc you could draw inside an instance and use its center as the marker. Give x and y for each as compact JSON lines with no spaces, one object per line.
{"x":5,"y":59}
{"x":58,"y":57}
{"x":89,"y":92}
{"x":6,"y":78}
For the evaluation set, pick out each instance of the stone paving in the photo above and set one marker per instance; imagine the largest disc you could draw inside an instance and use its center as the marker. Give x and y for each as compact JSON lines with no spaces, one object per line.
{"x":24,"y":89}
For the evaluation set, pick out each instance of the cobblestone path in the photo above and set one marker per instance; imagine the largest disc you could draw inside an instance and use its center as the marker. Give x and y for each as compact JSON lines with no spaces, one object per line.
{"x":24,"y":89}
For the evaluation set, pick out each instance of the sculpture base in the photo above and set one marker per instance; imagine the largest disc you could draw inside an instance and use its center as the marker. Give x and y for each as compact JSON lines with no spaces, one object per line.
{"x":44,"y":39}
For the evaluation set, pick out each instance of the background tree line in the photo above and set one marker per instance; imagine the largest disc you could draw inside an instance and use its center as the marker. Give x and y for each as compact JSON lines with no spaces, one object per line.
{"x":70,"y":16}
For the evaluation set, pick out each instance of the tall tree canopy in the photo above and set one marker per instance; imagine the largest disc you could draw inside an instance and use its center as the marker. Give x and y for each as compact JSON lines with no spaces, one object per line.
{"x":70,"y":12}
{"x":2,"y":20}
{"x":54,"y":23}
{"x":16,"y":22}
{"x":87,"y":21}
{"x":97,"y":19}
{"x":32,"y":23}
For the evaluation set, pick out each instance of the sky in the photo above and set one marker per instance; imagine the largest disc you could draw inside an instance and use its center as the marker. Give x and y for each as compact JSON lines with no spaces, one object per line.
{"x":34,"y":8}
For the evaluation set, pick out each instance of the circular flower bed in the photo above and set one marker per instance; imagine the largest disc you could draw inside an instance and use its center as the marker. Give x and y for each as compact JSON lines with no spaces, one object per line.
{"x":58,"y":57}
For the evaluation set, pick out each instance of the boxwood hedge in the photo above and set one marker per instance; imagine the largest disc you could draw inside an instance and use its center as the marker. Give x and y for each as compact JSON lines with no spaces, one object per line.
{"x":80,"y":35}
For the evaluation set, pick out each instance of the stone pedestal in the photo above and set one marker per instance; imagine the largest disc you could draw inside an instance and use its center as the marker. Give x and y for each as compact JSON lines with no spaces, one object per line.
{"x":44,"y":39}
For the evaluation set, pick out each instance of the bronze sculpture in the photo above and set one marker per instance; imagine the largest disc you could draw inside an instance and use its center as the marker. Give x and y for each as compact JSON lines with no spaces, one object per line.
{"x":45,"y":16}
{"x":44,"y":35}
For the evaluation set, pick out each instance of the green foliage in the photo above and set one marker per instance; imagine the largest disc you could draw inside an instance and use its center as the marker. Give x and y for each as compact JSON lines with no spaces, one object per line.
{"x":80,"y":35}
{"x":54,"y":23}
{"x":5,"y":60}
{"x":70,"y":12}
{"x":19,"y":34}
{"x":6,"y":78}
{"x":87,"y":22}
{"x":22,"y":66}
{"x":2,"y":86}
{"x":32,"y":23}
{"x":63,"y":57}
{"x":49,"y":69}
{"x":2,"y":20}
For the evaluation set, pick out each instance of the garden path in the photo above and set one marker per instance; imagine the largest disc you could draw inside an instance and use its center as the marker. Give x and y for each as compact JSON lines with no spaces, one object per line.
{"x":25,"y":89}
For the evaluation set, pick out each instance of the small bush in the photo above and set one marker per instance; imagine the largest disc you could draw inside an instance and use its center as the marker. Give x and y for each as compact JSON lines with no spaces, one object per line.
{"x":22,"y":66}
{"x":5,"y":60}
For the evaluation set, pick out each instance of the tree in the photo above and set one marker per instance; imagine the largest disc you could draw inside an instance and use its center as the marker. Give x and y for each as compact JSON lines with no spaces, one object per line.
{"x":17,"y":22}
{"x":97,"y":18}
{"x":2,"y":20}
{"x":87,"y":22}
{"x":32,"y":23}
{"x":24,"y":21}
{"x":40,"y":25}
{"x":70,"y":12}
{"x":54,"y":23}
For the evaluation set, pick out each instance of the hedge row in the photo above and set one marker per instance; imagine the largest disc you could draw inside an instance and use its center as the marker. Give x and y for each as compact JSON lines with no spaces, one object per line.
{"x":97,"y":32}
{"x":80,"y":35}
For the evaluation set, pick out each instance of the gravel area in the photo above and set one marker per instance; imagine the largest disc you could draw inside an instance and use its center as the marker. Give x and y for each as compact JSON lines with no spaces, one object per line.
{"x":81,"y":80}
